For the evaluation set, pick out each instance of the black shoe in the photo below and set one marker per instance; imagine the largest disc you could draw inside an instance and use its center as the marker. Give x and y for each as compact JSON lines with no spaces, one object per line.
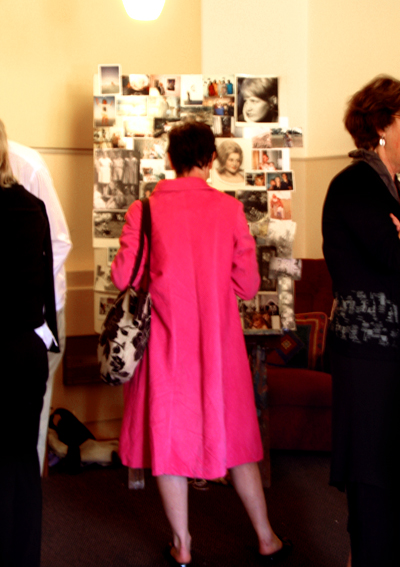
{"x":278,"y":556}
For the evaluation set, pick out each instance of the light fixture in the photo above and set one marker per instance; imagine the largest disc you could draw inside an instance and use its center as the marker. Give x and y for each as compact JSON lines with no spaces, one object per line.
{"x":143,"y":9}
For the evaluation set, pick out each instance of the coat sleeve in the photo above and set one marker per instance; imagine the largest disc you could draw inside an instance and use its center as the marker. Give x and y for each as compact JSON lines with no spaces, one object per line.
{"x":245,"y":274}
{"x":124,"y":261}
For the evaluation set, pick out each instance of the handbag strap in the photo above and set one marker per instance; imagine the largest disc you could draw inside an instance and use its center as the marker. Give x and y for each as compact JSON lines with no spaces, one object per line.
{"x":145,"y":228}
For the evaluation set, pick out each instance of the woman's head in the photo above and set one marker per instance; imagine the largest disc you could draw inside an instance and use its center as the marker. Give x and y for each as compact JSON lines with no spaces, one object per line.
{"x":6,"y":176}
{"x":371,"y":110}
{"x":260,"y":96}
{"x":191,"y":144}
{"x":230,"y":156}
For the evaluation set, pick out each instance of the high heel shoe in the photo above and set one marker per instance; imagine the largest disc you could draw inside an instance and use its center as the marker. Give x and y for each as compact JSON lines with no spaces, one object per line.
{"x":171,"y":560}
{"x":278,"y":556}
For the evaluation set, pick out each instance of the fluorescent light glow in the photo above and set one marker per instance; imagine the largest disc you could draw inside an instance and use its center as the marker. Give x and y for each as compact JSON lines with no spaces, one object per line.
{"x":143,"y":9}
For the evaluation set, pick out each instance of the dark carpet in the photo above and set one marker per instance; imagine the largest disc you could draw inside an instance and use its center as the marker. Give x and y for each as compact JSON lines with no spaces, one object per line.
{"x":92,"y":519}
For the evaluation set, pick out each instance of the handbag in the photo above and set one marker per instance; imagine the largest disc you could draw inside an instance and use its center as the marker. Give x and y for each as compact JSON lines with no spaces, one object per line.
{"x":126,"y":329}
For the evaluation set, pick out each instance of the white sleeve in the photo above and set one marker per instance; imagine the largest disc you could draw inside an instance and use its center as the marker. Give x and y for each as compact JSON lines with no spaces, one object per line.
{"x":41,"y":185}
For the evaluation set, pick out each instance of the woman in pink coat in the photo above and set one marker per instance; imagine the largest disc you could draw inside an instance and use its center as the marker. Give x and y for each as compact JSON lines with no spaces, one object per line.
{"x":189,"y":409}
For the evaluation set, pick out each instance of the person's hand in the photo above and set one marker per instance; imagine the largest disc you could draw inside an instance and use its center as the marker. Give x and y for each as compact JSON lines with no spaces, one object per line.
{"x":396,"y":223}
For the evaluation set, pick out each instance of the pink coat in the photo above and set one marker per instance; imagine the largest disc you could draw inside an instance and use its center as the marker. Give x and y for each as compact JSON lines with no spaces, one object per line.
{"x":189,"y":409}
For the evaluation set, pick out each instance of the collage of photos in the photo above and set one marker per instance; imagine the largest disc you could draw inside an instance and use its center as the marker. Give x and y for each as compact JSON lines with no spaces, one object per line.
{"x":132,"y":116}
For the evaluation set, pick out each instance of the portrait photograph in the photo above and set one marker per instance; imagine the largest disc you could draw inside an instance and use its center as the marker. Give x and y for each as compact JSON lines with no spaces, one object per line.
{"x":103,"y":111}
{"x":280,"y":181}
{"x":191,"y":90}
{"x":233,"y":158}
{"x":256,"y":99}
{"x":109,"y":79}
{"x":102,"y":272}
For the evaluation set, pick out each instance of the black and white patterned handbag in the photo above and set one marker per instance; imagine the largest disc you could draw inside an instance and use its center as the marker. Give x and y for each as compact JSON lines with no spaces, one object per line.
{"x":126,"y":329}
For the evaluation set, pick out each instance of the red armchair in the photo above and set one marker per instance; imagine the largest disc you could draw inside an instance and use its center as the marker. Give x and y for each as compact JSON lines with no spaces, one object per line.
{"x":300,"y":399}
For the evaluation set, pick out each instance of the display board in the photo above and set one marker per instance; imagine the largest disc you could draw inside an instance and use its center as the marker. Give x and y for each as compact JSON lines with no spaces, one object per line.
{"x":132,"y":115}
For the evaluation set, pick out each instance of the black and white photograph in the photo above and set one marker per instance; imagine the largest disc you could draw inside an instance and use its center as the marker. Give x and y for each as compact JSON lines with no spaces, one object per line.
{"x":116,"y":182}
{"x":135,"y":85}
{"x":280,"y":205}
{"x":267,"y":160}
{"x":163,"y":106}
{"x":107,"y":226}
{"x":286,"y":137}
{"x":109,"y":79}
{"x":233,"y":158}
{"x":168,"y":85}
{"x":265,"y":254}
{"x":255,"y":203}
{"x":255,"y":179}
{"x":103,"y":111}
{"x":191,"y":90}
{"x":285,"y":267}
{"x":281,"y":181}
{"x":102,"y":272}
{"x":257,"y":99}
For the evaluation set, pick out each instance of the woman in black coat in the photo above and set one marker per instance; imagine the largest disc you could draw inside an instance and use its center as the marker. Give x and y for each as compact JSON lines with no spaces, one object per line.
{"x":28,"y":328}
{"x":362,"y":251}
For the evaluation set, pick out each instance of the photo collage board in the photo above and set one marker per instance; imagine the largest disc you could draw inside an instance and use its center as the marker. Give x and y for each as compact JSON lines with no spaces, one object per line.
{"x":132,"y":115}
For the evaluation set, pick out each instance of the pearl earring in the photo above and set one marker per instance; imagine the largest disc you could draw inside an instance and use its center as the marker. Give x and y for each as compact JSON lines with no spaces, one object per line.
{"x":382,"y":141}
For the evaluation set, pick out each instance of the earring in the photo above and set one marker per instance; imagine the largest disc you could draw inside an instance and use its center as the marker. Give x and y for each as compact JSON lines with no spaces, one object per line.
{"x":382,"y":141}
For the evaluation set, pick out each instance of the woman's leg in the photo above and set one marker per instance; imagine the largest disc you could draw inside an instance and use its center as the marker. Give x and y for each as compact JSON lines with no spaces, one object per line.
{"x":174,"y":494}
{"x":247,"y":482}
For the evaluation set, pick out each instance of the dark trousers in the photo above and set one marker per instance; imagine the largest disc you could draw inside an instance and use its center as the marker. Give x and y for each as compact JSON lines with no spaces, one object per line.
{"x":373,"y":525}
{"x":23,"y":382}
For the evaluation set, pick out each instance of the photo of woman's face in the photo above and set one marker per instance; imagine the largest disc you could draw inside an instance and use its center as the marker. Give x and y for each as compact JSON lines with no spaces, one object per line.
{"x":254,"y":108}
{"x":233,"y":162}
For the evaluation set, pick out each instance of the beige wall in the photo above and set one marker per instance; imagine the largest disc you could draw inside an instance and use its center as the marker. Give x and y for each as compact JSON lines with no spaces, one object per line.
{"x":51,"y":50}
{"x":323,"y":52}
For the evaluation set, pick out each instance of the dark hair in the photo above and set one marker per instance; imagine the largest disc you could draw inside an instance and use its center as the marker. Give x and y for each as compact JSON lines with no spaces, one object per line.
{"x":371,"y":109}
{"x":190,"y":144}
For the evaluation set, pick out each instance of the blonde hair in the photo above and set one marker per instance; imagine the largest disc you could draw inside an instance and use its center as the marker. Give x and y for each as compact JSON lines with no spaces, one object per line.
{"x":6,"y":175}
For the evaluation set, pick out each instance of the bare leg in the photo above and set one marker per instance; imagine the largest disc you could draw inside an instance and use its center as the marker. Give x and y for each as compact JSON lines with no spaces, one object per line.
{"x":174,"y":494}
{"x":247,"y":482}
{"x":349,"y":560}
